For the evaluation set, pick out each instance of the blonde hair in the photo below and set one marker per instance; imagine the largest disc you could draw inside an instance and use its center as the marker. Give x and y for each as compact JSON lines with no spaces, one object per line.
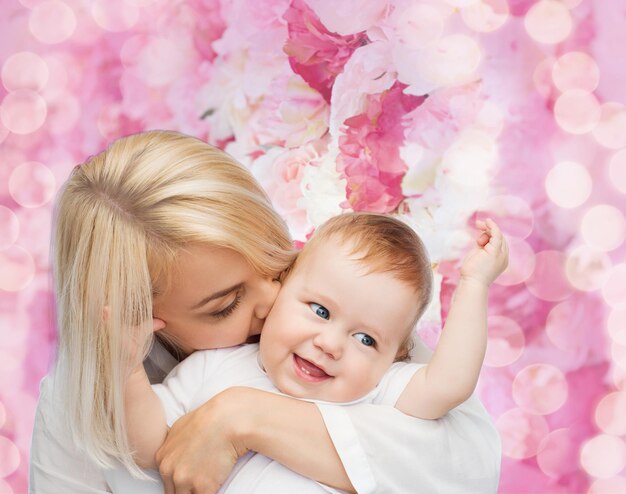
{"x":384,"y":245}
{"x":120,"y":220}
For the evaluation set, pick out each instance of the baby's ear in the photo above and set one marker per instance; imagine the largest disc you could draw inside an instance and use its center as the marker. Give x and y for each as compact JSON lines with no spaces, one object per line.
{"x":157,"y":324}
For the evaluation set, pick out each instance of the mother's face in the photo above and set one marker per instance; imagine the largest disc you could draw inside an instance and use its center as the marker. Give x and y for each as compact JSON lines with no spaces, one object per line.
{"x":215,"y":299}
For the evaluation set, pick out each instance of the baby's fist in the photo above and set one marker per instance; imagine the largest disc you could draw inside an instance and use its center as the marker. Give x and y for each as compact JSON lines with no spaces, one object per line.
{"x":489,"y":257}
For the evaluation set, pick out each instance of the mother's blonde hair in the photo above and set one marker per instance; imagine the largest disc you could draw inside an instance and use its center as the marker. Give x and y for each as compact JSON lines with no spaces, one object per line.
{"x":120,"y":220}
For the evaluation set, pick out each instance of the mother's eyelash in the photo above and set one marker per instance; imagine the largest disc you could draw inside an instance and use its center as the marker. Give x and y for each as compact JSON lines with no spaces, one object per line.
{"x":228,"y":310}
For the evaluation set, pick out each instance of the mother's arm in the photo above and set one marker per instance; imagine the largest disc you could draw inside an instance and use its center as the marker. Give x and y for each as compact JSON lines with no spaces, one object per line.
{"x":382,"y":449}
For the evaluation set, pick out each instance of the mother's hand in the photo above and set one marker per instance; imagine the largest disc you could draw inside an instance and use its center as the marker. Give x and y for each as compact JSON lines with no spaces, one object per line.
{"x":202,"y":447}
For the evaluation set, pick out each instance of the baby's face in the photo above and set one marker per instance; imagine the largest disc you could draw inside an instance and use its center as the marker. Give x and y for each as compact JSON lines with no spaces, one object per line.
{"x":334,"y":330}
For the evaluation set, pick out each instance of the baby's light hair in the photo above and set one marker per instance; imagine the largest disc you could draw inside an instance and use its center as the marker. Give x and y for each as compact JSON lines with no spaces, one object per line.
{"x":120,"y":221}
{"x":382,"y":244}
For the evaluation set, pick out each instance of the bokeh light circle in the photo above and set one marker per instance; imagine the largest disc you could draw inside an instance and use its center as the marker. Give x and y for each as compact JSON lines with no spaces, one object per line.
{"x":567,"y":328}
{"x":576,"y":70}
{"x":25,"y":70}
{"x":610,"y":414}
{"x":618,"y":354}
{"x":521,"y":263}
{"x":521,"y":433}
{"x":614,"y":287}
{"x":548,"y":22}
{"x":616,"y":326}
{"x":610,"y":131}
{"x":568,"y":184}
{"x":9,"y":457}
{"x":419,"y":24}
{"x":617,"y":170}
{"x":603,"y":456}
{"x":52,"y":21}
{"x":548,"y":281}
{"x":486,"y":15}
{"x":505,"y":343}
{"x":17,"y":267}
{"x":512,"y":213}
{"x":577,"y":111}
{"x":586,"y":268}
{"x":614,"y":485}
{"x":557,"y":454}
{"x":540,"y":389}
{"x":9,"y":227}
{"x":603,"y":227}
{"x":23,"y":111}
{"x":114,"y":15}
{"x":452,"y":60}
{"x":32,"y":184}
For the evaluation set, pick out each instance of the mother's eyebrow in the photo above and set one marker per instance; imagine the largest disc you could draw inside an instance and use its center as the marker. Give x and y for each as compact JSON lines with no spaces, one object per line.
{"x":215,"y":295}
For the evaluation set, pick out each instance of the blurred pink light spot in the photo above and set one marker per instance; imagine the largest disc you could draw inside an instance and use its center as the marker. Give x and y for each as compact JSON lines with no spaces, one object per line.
{"x":17,"y":268}
{"x":419,"y":24}
{"x":576,"y":70}
{"x":9,"y":227}
{"x":548,"y":22}
{"x":114,"y":15}
{"x":586,"y":268}
{"x":616,"y":326}
{"x":24,"y":70}
{"x":568,"y":184}
{"x":548,"y":281}
{"x":486,"y":16}
{"x":603,"y":227}
{"x":570,"y":4}
{"x":506,"y":342}
{"x":511,"y":213}
{"x":577,"y":111}
{"x":3,"y":416}
{"x":567,"y":327}
{"x":490,"y":118}
{"x":453,"y":60}
{"x":557,"y":453}
{"x":617,"y":170}
{"x":9,"y":457}
{"x":610,"y":414}
{"x":542,"y":77}
{"x":611,"y":129}
{"x":521,"y":433}
{"x":32,"y":184}
{"x":603,"y":456}
{"x":23,"y":111}
{"x":63,"y":113}
{"x":4,"y":132}
{"x":540,"y":389}
{"x":618,"y":354}
{"x":614,"y":485}
{"x":521,"y":263}
{"x":614,"y":287}
{"x":52,"y":22}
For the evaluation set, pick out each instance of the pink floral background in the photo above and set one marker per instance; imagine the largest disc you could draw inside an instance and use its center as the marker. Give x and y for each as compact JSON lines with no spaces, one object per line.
{"x":434,"y":110}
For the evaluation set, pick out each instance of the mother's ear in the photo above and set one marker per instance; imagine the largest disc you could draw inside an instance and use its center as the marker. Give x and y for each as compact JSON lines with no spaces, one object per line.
{"x":157,"y":324}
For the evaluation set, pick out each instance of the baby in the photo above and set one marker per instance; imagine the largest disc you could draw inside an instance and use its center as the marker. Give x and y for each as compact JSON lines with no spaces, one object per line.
{"x":341,"y":329}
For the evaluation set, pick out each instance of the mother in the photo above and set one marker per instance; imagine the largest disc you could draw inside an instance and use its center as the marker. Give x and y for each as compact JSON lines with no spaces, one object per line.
{"x":163,"y":225}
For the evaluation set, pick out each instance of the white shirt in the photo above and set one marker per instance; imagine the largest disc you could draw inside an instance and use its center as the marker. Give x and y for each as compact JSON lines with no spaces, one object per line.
{"x":383,"y":451}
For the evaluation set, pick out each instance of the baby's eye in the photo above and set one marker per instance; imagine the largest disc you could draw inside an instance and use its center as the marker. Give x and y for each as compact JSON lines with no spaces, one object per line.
{"x":320,"y":310}
{"x":366,"y":339}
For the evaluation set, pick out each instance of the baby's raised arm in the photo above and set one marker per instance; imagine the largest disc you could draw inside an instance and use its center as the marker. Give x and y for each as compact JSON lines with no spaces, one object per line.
{"x":450,"y":377}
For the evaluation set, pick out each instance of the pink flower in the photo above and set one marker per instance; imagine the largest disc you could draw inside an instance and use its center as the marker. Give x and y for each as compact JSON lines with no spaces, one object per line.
{"x":280,"y":173}
{"x":315,"y":53}
{"x":370,"y":151}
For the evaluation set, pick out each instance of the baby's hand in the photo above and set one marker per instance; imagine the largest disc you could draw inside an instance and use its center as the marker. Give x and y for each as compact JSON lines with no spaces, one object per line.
{"x":489,"y":257}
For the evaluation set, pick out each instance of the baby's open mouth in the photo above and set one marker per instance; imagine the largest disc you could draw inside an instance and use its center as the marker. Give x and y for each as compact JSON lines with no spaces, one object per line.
{"x":308,"y":371}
